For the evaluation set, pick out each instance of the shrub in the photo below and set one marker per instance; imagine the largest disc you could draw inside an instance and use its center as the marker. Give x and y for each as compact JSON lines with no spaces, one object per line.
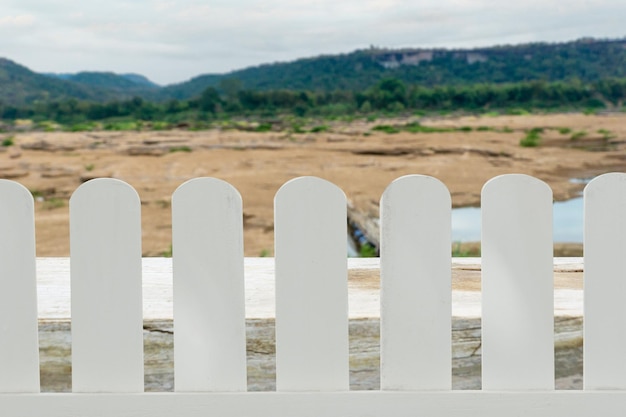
{"x":578,"y":135}
{"x":180,"y":149}
{"x":319,"y":129}
{"x":8,"y":141}
{"x":386,"y":128}
{"x":531,"y":139}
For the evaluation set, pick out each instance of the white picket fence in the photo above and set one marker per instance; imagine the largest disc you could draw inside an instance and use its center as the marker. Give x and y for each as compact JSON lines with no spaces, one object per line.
{"x":311,"y":304}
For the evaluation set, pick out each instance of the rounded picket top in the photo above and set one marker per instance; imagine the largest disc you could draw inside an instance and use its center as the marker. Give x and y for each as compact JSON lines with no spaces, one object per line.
{"x":309,"y":184}
{"x":415,"y":284}
{"x":105,"y":269}
{"x":610,"y":183}
{"x":311,"y":286}
{"x":195,"y":187}
{"x":209,"y":300}
{"x":103,"y":190}
{"x":517,"y":284}
{"x":17,"y":208}
{"x":19,"y":350}
{"x":517,"y":184}
{"x":605,"y":248}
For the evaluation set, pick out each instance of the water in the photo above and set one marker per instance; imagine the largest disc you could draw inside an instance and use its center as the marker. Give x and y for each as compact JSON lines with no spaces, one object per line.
{"x":567,"y":222}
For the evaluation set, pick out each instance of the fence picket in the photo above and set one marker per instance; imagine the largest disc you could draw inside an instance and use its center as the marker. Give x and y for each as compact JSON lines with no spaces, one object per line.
{"x":415,"y":285}
{"x":209,"y":304}
{"x":517,"y":284}
{"x":311,"y":286}
{"x":19,"y":346}
{"x":105,"y":256}
{"x":604,"y":278}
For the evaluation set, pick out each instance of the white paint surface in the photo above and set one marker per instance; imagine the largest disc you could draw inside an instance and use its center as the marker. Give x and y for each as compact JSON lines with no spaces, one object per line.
{"x":415,"y":285}
{"x":209,"y":316}
{"x":517,"y":284}
{"x":19,"y":349}
{"x":605,"y":283}
{"x":311,"y":286}
{"x":107,"y":326}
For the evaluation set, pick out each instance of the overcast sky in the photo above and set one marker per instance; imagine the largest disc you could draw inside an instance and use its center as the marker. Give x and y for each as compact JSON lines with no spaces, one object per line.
{"x":172,"y":41}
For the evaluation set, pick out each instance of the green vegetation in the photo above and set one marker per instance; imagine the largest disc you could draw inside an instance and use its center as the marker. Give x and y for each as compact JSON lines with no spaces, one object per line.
{"x":606,"y":134}
{"x":532,"y":138}
{"x":578,"y":135}
{"x":585,"y":75}
{"x":461,"y":250}
{"x":319,"y":129}
{"x":367,"y":251}
{"x":8,"y":141}
{"x":303,"y":111}
{"x":53,"y":203}
{"x":89,"y":167}
{"x":183,"y":148}
{"x":386,"y":128}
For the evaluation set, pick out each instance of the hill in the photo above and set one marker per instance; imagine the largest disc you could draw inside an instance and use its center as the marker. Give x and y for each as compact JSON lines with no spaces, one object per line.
{"x":109,"y":80}
{"x":585,"y":60}
{"x":19,"y":86}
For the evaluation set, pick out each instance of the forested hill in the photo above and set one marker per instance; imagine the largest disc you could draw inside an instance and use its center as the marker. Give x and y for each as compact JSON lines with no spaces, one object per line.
{"x":585,"y":60}
{"x":21,"y":86}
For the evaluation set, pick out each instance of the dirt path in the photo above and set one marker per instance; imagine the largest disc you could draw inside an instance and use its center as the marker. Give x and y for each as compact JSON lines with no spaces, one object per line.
{"x":360,"y":161}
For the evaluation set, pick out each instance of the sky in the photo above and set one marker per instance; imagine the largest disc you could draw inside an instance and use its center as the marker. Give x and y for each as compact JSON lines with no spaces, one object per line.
{"x":173,"y":41}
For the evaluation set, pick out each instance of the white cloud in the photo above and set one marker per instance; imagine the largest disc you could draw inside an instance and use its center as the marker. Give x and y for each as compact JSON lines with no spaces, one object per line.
{"x":17,"y":21}
{"x":174,"y":40}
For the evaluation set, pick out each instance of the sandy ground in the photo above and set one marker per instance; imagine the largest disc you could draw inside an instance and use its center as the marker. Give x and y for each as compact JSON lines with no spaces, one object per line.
{"x":362,"y":162}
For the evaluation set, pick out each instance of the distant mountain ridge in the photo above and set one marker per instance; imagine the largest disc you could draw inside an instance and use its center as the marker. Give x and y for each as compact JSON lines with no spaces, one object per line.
{"x":107,"y":79}
{"x":586,"y":60}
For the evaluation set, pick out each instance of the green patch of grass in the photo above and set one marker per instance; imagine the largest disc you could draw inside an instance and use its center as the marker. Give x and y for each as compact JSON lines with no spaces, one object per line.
{"x":53,"y":203}
{"x":161,"y":126}
{"x":531,"y":139}
{"x":466,"y":129}
{"x":565,"y":130}
{"x":367,"y":251}
{"x":264,"y":253}
{"x":506,"y":129}
{"x":121,"y":126}
{"x":9,"y":141}
{"x":180,"y":149}
{"x":386,"y":128}
{"x":484,"y":128}
{"x":264,"y":127}
{"x":460,"y":250}
{"x":89,"y":167}
{"x":517,"y":112}
{"x":606,"y":134}
{"x":416,"y":127}
{"x":578,"y":135}
{"x":167,"y":253}
{"x":319,"y":129}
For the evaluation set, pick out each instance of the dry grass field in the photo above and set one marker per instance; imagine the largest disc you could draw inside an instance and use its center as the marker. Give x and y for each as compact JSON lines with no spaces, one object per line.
{"x":358,"y":159}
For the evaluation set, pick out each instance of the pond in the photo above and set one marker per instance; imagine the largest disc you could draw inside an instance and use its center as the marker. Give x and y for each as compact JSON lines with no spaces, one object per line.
{"x":567,"y":222}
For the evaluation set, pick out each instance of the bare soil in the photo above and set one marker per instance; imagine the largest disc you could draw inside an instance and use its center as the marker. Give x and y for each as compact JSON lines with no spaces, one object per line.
{"x":360,"y":161}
